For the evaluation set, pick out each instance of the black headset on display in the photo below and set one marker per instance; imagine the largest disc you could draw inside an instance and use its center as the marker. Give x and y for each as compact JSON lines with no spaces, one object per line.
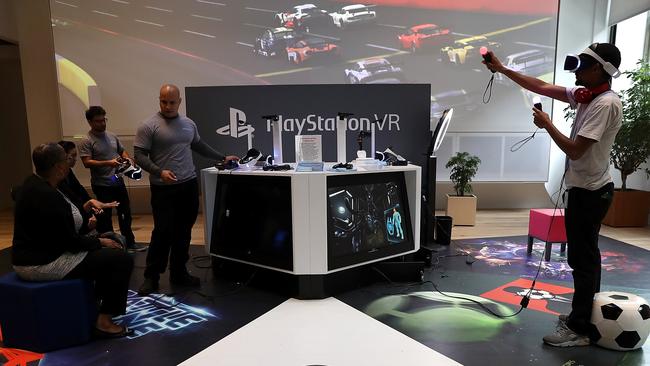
{"x":226,"y":165}
{"x":252,"y":156}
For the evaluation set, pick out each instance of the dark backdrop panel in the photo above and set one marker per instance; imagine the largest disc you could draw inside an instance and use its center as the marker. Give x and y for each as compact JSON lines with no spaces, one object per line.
{"x":403,"y":111}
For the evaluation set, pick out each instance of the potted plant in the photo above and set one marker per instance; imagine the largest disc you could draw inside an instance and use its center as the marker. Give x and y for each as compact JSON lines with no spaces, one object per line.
{"x":631,"y":149}
{"x":462,"y":206}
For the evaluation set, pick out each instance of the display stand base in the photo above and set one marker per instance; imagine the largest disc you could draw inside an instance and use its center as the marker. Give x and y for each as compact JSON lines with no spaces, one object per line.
{"x":402,"y":271}
{"x":429,"y":251}
{"x":307,"y":287}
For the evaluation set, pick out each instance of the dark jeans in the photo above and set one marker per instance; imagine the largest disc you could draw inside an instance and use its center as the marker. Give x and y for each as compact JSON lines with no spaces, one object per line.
{"x":111,"y":271}
{"x":584,"y":212}
{"x":104,"y":221}
{"x":175,"y":208}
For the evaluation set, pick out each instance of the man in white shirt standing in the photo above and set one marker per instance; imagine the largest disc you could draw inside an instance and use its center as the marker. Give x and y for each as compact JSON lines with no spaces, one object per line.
{"x":589,"y":184}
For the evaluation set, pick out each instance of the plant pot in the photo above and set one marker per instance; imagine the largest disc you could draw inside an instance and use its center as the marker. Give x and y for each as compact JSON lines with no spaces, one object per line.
{"x":629,"y":208}
{"x":462,"y":209}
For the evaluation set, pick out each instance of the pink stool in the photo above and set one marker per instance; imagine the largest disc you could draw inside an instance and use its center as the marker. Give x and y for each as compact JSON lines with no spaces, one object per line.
{"x":541,"y":219}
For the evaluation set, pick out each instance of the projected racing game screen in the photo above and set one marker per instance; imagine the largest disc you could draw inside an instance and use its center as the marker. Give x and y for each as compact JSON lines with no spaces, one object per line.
{"x":129,"y":48}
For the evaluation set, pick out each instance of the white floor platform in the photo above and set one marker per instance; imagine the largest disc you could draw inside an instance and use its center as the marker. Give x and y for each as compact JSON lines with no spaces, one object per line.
{"x":317,"y":332}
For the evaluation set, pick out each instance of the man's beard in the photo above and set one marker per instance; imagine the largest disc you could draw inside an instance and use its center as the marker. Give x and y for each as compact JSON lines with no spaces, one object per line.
{"x":169,"y":115}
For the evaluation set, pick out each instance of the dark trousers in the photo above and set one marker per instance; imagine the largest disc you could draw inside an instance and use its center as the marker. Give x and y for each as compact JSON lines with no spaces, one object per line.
{"x":584,"y":212}
{"x":175,"y":208}
{"x":110,"y":269}
{"x":104,"y":221}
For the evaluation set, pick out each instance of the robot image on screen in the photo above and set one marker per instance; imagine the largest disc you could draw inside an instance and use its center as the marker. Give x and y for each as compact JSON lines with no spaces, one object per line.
{"x":365,"y":218}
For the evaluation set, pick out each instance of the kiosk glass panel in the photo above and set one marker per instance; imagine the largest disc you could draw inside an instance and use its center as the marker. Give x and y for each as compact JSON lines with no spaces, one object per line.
{"x":368,"y":218}
{"x":252,"y":220}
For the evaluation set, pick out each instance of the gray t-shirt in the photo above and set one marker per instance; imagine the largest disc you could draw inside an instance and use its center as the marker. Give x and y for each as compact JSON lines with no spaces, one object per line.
{"x":599,"y":120}
{"x":102,"y":147}
{"x":169,"y":144}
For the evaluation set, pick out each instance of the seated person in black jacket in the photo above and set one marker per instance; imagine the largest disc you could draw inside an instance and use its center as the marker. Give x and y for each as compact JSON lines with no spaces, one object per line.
{"x":47,"y":245}
{"x":72,"y":188}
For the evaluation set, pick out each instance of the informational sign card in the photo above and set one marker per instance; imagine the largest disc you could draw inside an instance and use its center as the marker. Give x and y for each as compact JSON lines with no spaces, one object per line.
{"x":309,"y":148}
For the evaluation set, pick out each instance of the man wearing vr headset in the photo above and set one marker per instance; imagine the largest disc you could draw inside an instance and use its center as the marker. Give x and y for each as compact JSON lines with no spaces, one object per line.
{"x":589,"y":184}
{"x":163,"y":147}
{"x":100,"y":151}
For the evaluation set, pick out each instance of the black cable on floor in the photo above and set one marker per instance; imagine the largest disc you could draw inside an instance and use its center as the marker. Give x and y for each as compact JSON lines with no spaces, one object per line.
{"x":414,"y":284}
{"x":186,"y":295}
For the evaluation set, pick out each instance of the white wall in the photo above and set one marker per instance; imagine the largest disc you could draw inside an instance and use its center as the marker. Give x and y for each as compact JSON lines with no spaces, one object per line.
{"x":8,"y":29}
{"x":28,"y":24}
{"x":630,"y":40}
{"x":13,"y":125}
{"x":28,"y":97}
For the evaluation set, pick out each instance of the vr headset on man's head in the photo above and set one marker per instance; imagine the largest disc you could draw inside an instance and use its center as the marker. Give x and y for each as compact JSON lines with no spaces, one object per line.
{"x":573,"y":63}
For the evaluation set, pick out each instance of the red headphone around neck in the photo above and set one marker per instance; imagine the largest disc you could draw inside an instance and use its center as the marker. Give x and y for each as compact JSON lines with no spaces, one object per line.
{"x":585,"y":96}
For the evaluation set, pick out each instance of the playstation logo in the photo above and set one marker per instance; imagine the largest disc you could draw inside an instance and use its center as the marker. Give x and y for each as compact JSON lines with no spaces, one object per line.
{"x":237,"y":127}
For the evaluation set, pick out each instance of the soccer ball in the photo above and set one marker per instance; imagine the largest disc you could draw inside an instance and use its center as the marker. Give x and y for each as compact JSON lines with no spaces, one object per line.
{"x":620,"y":321}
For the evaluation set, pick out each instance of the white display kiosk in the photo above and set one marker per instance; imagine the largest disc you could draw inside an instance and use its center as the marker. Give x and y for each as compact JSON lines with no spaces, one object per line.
{"x":309,"y":215}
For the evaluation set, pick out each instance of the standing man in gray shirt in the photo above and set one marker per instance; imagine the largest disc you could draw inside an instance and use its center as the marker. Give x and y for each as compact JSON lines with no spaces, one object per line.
{"x":163,"y":147}
{"x":100,"y":151}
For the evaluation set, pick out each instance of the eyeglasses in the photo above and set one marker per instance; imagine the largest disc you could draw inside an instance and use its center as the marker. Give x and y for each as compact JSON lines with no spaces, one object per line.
{"x":105,"y":119}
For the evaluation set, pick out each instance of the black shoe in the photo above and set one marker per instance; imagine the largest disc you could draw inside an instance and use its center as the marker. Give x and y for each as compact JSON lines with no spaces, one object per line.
{"x":101,"y":334}
{"x":184,"y":279}
{"x":135,"y":247}
{"x":149,"y":286}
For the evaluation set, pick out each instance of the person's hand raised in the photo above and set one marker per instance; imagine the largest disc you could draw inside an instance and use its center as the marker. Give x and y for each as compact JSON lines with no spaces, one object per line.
{"x":495,"y":64}
{"x":98,"y":207}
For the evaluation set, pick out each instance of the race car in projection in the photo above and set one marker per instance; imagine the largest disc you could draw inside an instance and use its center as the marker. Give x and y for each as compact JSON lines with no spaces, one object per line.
{"x":534,"y":62}
{"x":312,"y":47}
{"x":301,"y":17}
{"x":374,"y":71}
{"x":463,"y":102}
{"x":273,"y":42}
{"x":353,"y":14}
{"x":466,"y":49}
{"x":424,"y":36}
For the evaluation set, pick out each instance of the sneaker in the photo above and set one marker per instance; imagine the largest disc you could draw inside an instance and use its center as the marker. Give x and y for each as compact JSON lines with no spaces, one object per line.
{"x":184,"y":279}
{"x":563,"y":317}
{"x":149,"y":286}
{"x":565,"y":337}
{"x":135,"y":247}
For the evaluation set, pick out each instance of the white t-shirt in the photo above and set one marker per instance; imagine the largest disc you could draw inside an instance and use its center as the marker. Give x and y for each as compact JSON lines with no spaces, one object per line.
{"x":599,"y":120}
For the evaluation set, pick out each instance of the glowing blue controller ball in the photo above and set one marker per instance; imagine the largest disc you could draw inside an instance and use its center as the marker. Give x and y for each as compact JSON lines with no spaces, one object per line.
{"x":620,"y":321}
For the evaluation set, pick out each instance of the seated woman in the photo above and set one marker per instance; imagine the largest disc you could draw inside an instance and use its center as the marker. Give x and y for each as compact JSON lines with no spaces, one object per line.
{"x":73,"y":190}
{"x":47,"y":245}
